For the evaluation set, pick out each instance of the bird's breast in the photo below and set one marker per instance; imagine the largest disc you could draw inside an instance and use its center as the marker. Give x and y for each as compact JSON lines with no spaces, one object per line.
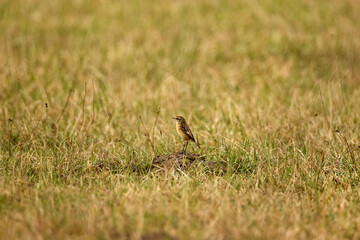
{"x":181,"y":133}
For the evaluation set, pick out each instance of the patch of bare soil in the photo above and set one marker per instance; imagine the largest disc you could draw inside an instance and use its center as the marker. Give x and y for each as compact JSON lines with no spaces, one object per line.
{"x":184,"y":161}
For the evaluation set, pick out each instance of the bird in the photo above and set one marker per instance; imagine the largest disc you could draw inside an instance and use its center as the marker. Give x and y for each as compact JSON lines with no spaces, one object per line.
{"x":184,"y":131}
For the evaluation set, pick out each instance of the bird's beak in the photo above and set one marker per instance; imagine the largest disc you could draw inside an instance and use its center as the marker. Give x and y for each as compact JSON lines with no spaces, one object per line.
{"x":174,"y":118}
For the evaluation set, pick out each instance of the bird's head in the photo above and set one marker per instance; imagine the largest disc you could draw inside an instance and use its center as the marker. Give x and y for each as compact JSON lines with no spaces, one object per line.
{"x":179,"y":119}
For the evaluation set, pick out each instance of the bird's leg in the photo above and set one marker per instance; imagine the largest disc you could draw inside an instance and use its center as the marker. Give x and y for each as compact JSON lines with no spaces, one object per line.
{"x":186,"y":144}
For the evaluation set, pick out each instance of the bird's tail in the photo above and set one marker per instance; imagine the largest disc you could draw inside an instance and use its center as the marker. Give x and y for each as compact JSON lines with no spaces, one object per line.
{"x":197,"y":144}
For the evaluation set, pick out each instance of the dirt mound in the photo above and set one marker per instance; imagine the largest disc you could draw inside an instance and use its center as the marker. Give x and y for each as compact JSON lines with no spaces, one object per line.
{"x":182,"y":160}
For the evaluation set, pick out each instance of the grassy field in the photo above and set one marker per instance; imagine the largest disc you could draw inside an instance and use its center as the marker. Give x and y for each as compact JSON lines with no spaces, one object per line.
{"x":270,"y":87}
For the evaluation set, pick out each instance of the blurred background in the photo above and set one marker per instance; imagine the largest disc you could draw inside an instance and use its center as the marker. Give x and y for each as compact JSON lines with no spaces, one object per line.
{"x":220,"y":63}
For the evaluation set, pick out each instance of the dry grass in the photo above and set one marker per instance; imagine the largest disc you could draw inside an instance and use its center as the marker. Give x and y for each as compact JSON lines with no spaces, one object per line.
{"x":270,"y":86}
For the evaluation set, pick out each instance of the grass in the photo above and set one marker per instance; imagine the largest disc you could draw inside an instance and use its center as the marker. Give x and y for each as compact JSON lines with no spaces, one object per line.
{"x":271,"y":87}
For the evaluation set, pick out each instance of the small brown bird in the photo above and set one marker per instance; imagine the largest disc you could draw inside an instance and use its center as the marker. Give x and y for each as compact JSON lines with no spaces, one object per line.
{"x":184,"y":131}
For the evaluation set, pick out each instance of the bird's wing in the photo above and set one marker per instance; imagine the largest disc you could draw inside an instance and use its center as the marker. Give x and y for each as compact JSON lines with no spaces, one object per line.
{"x":188,"y":132}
